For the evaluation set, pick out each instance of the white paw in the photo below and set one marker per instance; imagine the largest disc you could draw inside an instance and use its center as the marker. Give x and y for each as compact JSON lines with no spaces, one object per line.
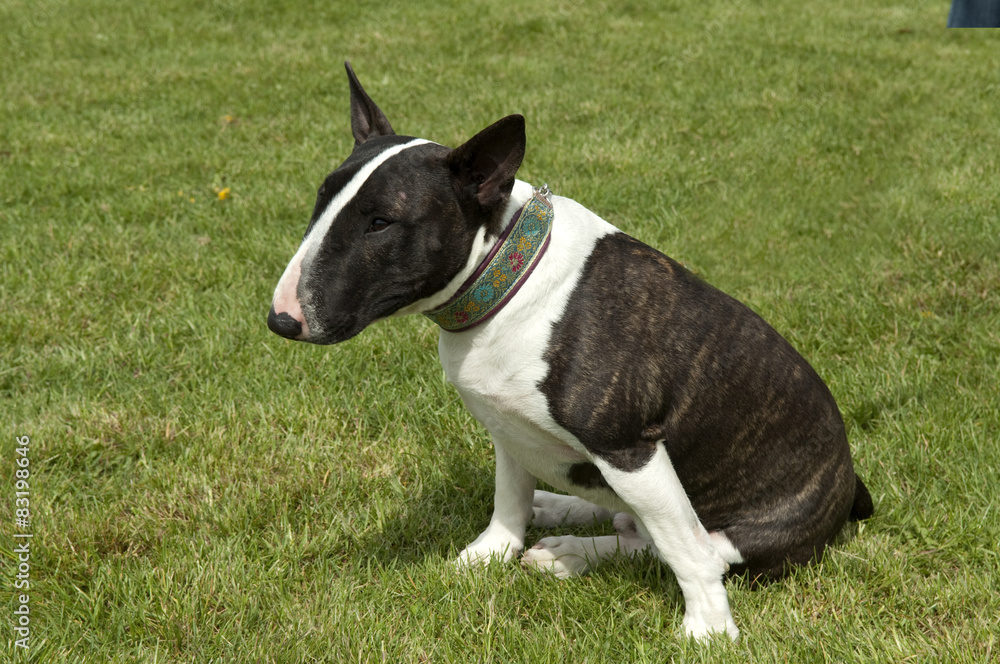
{"x":480,"y":554}
{"x":553,"y":509}
{"x":702,"y":621}
{"x":561,"y":556}
{"x":624,"y":524}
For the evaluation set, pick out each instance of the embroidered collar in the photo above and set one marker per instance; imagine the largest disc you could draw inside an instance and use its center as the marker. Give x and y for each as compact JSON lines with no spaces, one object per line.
{"x":504,"y":269}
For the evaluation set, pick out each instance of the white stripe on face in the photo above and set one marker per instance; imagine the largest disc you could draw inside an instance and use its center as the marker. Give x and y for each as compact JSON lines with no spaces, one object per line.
{"x":286,"y":298}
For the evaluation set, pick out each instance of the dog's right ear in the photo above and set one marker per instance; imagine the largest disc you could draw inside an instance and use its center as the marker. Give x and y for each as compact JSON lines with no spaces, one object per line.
{"x":367,"y":119}
{"x":485,"y":165}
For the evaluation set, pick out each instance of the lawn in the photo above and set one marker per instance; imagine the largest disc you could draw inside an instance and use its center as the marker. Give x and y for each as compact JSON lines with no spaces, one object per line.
{"x":203,"y":491}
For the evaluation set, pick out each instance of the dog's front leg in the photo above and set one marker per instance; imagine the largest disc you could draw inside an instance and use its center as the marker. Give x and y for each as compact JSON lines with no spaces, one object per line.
{"x":512,"y":510}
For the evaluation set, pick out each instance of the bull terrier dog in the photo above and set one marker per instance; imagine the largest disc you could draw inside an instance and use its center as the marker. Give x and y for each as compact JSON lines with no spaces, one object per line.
{"x":598,"y":365}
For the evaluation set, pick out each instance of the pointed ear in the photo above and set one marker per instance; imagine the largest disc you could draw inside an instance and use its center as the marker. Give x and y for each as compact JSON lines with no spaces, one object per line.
{"x":367,"y":119}
{"x":486,"y":164}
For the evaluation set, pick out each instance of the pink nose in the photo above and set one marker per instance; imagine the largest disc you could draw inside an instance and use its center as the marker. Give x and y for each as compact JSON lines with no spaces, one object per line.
{"x":286,"y":317}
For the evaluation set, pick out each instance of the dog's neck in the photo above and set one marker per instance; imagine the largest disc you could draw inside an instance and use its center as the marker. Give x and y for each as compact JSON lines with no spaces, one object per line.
{"x":503,"y":268}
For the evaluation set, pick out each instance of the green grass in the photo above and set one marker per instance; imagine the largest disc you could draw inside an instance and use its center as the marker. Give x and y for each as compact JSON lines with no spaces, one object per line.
{"x":205,"y":491}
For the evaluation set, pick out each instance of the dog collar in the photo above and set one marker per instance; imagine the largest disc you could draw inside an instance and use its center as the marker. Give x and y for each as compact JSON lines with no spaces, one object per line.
{"x":504,"y":269}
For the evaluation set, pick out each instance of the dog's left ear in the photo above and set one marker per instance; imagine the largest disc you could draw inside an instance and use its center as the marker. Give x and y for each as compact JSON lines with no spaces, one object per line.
{"x":367,"y":119}
{"x":485,"y":165}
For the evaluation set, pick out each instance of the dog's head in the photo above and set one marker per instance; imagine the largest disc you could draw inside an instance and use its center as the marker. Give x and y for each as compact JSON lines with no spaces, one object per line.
{"x":394,"y":225}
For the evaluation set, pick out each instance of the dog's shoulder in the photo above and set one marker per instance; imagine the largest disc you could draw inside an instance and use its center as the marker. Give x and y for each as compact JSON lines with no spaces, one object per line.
{"x":628,"y":289}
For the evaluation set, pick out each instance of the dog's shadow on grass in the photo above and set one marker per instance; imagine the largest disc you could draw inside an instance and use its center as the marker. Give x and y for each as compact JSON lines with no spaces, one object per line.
{"x":449,"y":510}
{"x":444,"y":517}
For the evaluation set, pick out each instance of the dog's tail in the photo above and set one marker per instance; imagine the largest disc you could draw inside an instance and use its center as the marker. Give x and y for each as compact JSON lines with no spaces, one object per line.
{"x":862,"y":508}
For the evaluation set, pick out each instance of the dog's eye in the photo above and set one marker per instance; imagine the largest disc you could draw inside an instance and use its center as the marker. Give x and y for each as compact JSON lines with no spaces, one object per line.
{"x":378,"y":225}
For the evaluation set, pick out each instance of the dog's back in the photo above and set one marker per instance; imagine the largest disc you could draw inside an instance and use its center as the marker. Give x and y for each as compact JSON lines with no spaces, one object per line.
{"x":648,"y":352}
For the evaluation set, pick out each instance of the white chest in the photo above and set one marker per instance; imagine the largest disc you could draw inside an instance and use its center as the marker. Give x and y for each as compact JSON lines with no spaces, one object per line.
{"x":498,"y":366}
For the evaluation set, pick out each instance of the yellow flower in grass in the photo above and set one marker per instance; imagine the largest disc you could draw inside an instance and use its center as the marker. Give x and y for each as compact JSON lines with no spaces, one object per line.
{"x":223,"y":193}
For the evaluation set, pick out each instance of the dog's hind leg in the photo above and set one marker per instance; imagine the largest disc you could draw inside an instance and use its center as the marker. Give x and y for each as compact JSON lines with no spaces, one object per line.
{"x":662,"y":510}
{"x":553,"y":509}
{"x":568,"y":555}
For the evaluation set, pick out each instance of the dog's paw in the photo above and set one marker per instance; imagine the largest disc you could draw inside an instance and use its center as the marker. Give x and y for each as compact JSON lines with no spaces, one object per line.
{"x":696,"y":628}
{"x":553,"y":509}
{"x":562,"y":557}
{"x":707,"y":614}
{"x":480,"y":555}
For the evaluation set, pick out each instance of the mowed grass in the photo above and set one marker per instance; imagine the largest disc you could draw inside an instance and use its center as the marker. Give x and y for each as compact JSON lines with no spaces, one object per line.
{"x":202,"y":490}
